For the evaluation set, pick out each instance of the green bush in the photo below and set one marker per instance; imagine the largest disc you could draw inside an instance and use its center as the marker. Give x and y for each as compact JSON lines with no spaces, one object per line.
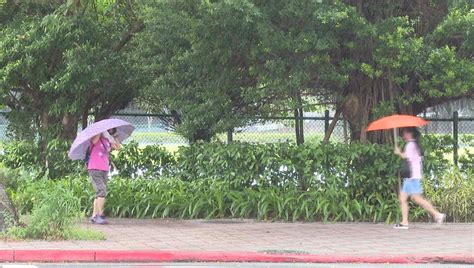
{"x":52,"y":215}
{"x":436,"y":147}
{"x":466,"y":161}
{"x":30,"y":191}
{"x":52,"y":162}
{"x":18,"y":154}
{"x":208,"y":198}
{"x":453,"y":193}
{"x":151,"y":161}
{"x":10,"y":178}
{"x":358,"y":167}
{"x":332,"y":182}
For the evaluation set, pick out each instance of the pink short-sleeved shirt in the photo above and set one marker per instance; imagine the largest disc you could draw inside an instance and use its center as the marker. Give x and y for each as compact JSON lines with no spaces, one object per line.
{"x":99,"y":155}
{"x":413,"y":155}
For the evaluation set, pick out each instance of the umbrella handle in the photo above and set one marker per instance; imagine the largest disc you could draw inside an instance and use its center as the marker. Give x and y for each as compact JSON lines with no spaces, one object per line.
{"x":395,"y":138}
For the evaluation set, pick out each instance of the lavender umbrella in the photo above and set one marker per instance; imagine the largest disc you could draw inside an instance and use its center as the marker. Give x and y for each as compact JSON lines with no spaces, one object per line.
{"x":81,"y":143}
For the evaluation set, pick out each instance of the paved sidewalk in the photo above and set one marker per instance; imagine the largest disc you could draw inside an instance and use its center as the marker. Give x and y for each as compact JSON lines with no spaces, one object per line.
{"x":364,"y":240}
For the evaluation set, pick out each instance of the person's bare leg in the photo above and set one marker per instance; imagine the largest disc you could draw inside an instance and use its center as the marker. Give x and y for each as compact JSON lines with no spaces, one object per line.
{"x":403,"y":198}
{"x":94,"y":210}
{"x":418,"y":198}
{"x":100,"y":205}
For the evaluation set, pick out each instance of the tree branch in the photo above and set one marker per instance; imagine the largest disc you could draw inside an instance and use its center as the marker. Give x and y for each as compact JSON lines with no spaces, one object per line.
{"x":126,"y":37}
{"x":328,"y":133}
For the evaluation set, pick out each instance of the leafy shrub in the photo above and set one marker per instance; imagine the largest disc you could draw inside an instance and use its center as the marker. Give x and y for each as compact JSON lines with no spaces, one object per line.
{"x":208,"y":198}
{"x":18,"y":154}
{"x":8,"y":214}
{"x":30,"y":191}
{"x":362,"y":169}
{"x":332,"y":182}
{"x":151,"y":161}
{"x":466,"y":161}
{"x":452,"y":192}
{"x":10,"y":178}
{"x":52,"y":162}
{"x":52,"y":216}
{"x":58,"y":163}
{"x":436,"y":147}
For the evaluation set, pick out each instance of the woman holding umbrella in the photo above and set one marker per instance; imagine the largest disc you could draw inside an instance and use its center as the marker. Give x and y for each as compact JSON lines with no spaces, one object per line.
{"x":98,"y":168}
{"x":97,"y":140}
{"x":413,"y":154}
{"x":412,"y":187}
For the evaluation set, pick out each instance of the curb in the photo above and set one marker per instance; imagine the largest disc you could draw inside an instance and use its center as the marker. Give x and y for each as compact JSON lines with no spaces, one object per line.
{"x":198,"y":256}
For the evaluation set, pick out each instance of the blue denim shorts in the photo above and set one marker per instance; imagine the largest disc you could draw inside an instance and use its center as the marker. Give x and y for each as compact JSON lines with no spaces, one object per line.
{"x":412,"y":186}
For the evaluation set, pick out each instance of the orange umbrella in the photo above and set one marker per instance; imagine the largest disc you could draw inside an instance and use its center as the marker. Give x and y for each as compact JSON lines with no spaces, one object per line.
{"x":396,"y":121}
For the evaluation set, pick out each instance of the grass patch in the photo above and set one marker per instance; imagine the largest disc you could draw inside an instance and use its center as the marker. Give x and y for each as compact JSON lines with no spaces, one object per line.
{"x":78,"y":233}
{"x":157,"y":137}
{"x":271,"y":137}
{"x":20,"y":233}
{"x":171,"y":138}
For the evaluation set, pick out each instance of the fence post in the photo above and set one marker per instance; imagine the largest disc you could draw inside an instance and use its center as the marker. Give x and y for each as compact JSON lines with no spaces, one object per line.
{"x":345,"y":131}
{"x":455,"y":137}
{"x":230,"y":137}
{"x":326,"y":121}
{"x":426,"y":127}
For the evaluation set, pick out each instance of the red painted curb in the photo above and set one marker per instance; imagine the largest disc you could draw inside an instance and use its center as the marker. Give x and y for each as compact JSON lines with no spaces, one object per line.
{"x":132,"y":256}
{"x":197,"y":256}
{"x":6,"y":255}
{"x":54,"y":255}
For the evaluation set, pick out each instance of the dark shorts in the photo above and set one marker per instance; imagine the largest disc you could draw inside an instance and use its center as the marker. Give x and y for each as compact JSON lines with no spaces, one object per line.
{"x":99,"y":180}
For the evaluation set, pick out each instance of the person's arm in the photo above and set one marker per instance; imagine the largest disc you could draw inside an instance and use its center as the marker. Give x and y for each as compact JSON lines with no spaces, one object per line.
{"x":399,"y":152}
{"x":95,"y":139}
{"x":116,"y":144}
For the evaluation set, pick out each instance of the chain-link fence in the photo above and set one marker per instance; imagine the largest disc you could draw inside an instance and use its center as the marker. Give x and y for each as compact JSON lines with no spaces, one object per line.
{"x":283,"y":129}
{"x":3,"y":127}
{"x":152,"y":129}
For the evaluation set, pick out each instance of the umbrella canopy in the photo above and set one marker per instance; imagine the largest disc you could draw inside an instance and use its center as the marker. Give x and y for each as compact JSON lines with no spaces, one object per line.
{"x":396,"y":121}
{"x":81,"y":143}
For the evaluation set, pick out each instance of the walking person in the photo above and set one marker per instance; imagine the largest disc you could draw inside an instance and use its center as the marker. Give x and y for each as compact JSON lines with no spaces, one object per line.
{"x":412,"y":187}
{"x":98,"y":168}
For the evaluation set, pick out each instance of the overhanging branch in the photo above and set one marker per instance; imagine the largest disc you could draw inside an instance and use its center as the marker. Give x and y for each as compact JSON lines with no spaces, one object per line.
{"x":126,"y":37}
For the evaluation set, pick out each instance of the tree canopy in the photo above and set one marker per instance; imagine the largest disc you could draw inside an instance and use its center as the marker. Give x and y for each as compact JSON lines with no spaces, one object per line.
{"x":213,"y":60}
{"x":58,"y":62}
{"x":215,"y":64}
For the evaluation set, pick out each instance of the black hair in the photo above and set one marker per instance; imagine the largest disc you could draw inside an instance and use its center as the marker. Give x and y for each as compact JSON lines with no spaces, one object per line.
{"x":417,"y":136}
{"x":112,"y":131}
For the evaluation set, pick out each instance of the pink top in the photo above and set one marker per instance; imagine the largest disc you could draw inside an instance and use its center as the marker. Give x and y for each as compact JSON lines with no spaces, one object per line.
{"x":413,"y":155}
{"x":99,"y":155}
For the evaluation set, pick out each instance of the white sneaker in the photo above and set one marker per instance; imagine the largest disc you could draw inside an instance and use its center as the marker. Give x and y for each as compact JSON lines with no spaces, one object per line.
{"x":400,"y":226}
{"x":441,"y":219}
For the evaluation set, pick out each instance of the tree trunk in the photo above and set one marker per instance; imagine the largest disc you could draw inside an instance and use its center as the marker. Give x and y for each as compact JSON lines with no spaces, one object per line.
{"x":301,"y":121}
{"x":85,"y":117}
{"x":69,"y":123}
{"x":201,"y":135}
{"x":297,"y":127}
{"x":299,"y":124}
{"x":328,"y":133}
{"x":8,"y":213}
{"x":353,"y":111}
